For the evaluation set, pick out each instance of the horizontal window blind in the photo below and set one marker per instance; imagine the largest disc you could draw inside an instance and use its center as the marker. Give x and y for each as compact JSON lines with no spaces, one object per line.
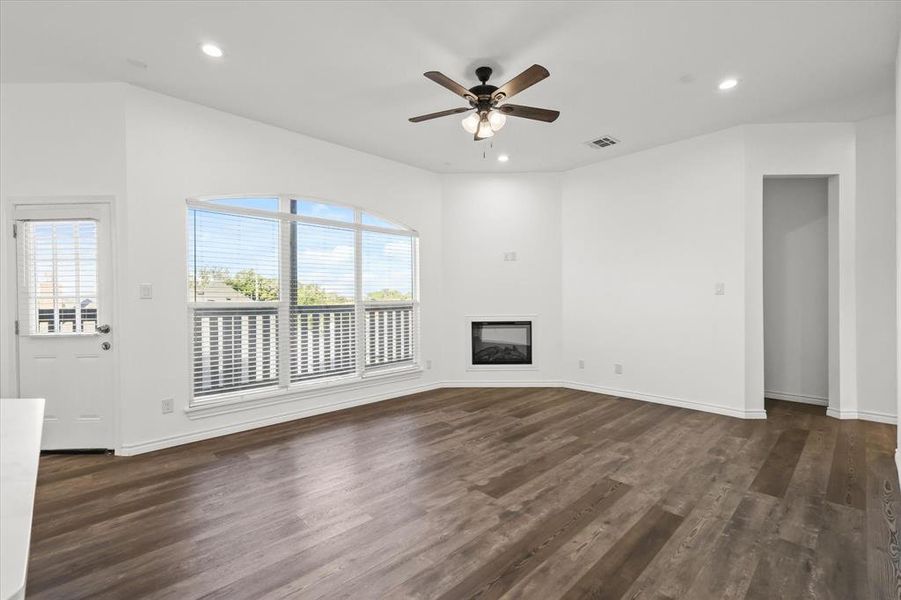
{"x":388,"y":290}
{"x":232,"y":258}
{"x":316,"y":292}
{"x":323,"y":316}
{"x":57,"y":277}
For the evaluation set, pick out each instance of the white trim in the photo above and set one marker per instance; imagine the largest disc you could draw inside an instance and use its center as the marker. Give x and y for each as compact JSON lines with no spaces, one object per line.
{"x":501,"y":383}
{"x":898,"y":464}
{"x":232,"y":407}
{"x":718,"y":409}
{"x":802,"y":398}
{"x":212,"y":432}
{"x":207,"y":206}
{"x":863,"y":415}
{"x":240,"y":402}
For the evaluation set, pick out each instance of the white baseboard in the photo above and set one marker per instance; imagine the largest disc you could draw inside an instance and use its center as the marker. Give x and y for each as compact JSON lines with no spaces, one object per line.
{"x":718,"y":409}
{"x":500,"y":383}
{"x":863,"y":415}
{"x":803,"y":399}
{"x":196,"y":436}
{"x":898,"y":464}
{"x":205,"y":434}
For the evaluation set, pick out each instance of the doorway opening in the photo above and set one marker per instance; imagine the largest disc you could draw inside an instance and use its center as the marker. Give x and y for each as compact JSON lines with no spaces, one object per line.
{"x":798,"y":260}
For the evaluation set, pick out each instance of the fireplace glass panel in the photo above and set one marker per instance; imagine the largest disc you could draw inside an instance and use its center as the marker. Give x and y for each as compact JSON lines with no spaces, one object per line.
{"x":502,"y":343}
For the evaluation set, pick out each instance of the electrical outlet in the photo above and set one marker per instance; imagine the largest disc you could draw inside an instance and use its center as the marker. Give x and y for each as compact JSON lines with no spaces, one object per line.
{"x":428,"y":365}
{"x":509,"y":256}
{"x":581,"y":364}
{"x":167,"y":405}
{"x":617,"y":368}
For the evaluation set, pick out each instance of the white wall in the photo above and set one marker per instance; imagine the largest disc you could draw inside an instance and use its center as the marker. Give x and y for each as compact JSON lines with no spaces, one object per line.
{"x":55,"y":140}
{"x":898,"y":250}
{"x":152,"y":152}
{"x":619,"y":259}
{"x":646,"y":237}
{"x":177,"y":149}
{"x":876,"y":267}
{"x":483,"y":217}
{"x":795,"y":289}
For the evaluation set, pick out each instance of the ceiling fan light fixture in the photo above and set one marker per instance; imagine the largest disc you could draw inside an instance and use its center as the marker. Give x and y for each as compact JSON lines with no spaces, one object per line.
{"x":471,"y":123}
{"x":484,"y":130}
{"x":497,"y":120}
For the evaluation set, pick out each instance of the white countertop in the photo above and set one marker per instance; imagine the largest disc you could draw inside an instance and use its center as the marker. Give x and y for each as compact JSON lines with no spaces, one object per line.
{"x":21,"y":421}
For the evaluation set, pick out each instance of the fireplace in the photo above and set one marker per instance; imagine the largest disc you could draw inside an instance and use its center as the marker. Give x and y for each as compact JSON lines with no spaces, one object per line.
{"x":501,"y":342}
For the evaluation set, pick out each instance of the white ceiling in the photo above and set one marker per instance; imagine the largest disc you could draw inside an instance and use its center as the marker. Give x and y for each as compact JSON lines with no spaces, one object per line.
{"x":351,"y":73}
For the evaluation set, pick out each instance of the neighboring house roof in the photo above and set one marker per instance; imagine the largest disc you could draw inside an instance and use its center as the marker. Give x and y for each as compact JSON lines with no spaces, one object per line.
{"x":217,"y":291}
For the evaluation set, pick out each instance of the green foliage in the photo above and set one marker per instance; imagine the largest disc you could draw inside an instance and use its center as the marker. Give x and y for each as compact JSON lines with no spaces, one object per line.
{"x":209,"y":274}
{"x":256,"y":287}
{"x":310,"y":294}
{"x":386,"y":295}
{"x":252,"y":285}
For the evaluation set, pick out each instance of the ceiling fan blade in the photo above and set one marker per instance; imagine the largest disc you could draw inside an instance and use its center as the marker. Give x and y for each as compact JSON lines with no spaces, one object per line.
{"x":524,"y":80}
{"x":529,"y":112}
{"x":443,"y":113}
{"x":445,"y":81}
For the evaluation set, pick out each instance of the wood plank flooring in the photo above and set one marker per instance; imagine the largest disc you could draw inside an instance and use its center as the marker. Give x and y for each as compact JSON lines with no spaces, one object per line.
{"x":484,"y":493}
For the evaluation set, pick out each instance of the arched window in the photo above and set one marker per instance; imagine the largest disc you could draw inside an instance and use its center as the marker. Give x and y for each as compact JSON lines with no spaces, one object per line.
{"x":285,"y":291}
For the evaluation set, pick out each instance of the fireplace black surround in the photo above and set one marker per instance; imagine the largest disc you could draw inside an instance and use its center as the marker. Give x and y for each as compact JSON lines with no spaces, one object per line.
{"x":501,"y":342}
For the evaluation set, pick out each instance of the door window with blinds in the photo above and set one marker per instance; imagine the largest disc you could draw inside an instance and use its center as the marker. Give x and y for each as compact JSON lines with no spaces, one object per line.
{"x":286,"y":291}
{"x":57,"y":277}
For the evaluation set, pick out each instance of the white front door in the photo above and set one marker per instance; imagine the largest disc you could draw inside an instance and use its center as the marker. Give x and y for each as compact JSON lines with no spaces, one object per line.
{"x":65,"y":320}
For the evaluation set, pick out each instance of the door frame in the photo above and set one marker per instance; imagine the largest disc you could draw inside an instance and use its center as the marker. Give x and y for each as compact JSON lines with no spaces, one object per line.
{"x":11,"y":298}
{"x":842,"y":334}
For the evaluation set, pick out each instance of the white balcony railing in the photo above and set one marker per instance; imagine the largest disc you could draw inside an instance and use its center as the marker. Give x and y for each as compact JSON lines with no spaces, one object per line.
{"x":237,"y":349}
{"x":390,"y":334}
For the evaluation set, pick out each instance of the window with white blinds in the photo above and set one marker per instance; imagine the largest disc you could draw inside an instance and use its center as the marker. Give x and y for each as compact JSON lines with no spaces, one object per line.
{"x":388,"y":294}
{"x":57,"y":277}
{"x":287,"y":291}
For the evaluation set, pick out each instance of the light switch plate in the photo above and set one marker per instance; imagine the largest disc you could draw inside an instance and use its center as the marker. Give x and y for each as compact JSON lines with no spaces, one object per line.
{"x":719,"y":288}
{"x":145,"y":291}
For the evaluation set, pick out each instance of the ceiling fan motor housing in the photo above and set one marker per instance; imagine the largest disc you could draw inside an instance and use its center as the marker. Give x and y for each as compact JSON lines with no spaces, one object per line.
{"x":483,"y":91}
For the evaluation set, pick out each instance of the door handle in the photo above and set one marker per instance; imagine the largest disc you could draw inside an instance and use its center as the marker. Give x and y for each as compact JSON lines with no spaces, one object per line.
{"x":103,"y":328}
{"x":105,"y":345}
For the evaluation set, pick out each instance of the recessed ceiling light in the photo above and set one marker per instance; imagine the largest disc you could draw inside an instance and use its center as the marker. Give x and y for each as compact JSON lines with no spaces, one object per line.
{"x":212,"y":50}
{"x":503,"y":158}
{"x":728,"y":84}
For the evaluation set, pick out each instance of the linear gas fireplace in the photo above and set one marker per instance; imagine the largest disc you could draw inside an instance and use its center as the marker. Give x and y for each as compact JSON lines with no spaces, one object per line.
{"x":501,"y":342}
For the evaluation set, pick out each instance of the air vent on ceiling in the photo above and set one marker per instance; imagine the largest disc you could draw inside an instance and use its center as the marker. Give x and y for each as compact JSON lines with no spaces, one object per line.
{"x":603,"y":142}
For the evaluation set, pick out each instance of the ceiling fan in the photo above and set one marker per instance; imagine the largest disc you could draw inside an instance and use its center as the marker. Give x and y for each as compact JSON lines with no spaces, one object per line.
{"x":489,"y":102}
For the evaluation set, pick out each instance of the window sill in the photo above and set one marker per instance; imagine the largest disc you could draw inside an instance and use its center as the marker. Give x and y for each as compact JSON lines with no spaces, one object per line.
{"x":272,"y":396}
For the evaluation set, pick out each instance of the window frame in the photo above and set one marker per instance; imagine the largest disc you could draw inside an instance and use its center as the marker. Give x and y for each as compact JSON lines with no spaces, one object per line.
{"x":285,"y":388}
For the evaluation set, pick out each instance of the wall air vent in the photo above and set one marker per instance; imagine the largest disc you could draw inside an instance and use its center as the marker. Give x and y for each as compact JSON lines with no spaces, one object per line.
{"x":603,"y":142}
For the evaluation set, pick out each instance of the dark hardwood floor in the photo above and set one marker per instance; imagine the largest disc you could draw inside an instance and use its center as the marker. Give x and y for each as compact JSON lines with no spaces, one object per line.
{"x":488,"y":493}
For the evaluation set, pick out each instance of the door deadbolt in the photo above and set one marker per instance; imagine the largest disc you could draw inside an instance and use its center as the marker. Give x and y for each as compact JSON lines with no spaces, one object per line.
{"x":103,"y":328}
